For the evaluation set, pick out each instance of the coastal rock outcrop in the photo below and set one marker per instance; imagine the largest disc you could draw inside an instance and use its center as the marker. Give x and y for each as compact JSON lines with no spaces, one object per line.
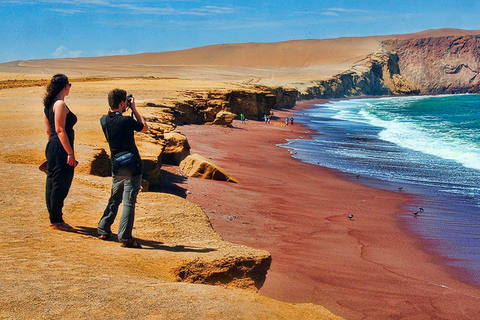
{"x":376,"y":75}
{"x":285,"y":98}
{"x":166,"y":117}
{"x":176,"y":148}
{"x":203,"y":107}
{"x":439,"y":64}
{"x":433,"y":65}
{"x":197,"y":166}
{"x":100,"y":165}
{"x":151,"y":169}
{"x":224,"y":118}
{"x":251,"y":103}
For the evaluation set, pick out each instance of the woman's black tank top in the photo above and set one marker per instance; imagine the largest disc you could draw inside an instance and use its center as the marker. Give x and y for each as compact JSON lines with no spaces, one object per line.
{"x":70,"y":121}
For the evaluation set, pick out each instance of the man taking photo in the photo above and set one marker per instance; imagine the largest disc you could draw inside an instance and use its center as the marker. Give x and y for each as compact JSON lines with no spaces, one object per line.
{"x":126,"y":166}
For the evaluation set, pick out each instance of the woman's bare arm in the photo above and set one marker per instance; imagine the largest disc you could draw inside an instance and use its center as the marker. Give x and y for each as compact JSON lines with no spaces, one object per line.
{"x":61,"y":111}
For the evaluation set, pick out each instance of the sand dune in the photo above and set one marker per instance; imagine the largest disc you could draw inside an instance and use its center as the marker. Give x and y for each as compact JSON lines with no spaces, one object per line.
{"x":286,"y":61}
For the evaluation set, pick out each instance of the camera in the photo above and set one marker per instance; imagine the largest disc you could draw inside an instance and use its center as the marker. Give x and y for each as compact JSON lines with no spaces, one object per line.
{"x":129,"y":100}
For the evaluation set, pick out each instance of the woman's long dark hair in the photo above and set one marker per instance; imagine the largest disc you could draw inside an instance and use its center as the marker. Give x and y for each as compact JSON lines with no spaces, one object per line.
{"x":58,"y":82}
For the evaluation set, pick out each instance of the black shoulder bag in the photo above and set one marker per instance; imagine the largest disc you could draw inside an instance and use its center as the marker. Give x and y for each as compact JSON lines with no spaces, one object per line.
{"x":122,"y":159}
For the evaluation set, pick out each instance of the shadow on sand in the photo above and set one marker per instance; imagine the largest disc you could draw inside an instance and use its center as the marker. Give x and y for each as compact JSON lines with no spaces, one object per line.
{"x":146,"y":244}
{"x":170,"y":183}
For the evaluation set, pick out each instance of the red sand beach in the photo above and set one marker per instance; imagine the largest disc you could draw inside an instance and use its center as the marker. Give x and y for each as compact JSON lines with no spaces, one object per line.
{"x":366,"y":268}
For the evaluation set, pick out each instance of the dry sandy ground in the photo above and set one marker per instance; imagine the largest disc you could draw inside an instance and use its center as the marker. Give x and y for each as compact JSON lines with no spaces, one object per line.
{"x":56,"y":275}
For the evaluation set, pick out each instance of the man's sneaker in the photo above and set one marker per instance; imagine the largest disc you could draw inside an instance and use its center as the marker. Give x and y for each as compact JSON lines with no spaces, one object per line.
{"x":133,"y":244}
{"x":105,"y":236}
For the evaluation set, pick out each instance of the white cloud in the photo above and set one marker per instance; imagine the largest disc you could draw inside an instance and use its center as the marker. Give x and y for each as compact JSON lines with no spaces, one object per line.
{"x":335,"y":12}
{"x":336,"y":9}
{"x":128,"y":8}
{"x":121,"y":52}
{"x":64,"y":52}
{"x":329,"y":14}
{"x":67,"y":11}
{"x":76,"y":2}
{"x":138,"y":7}
{"x":212,"y":10}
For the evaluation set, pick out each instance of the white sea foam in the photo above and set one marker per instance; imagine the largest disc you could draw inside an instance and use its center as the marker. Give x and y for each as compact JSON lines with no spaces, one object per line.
{"x":410,"y":135}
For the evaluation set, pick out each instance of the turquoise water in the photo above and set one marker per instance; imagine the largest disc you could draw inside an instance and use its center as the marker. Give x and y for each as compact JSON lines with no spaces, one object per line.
{"x":428,"y":145}
{"x":445,"y":126}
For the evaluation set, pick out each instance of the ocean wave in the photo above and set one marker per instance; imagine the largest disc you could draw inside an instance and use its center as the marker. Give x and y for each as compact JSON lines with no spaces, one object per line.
{"x":440,"y":140}
{"x":411,"y":136}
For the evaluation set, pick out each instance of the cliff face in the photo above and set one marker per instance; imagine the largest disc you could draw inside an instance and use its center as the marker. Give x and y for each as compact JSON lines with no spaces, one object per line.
{"x":377,"y":75}
{"x":255,"y":104}
{"x":439,"y":65}
{"x":204,"y":106}
{"x":428,"y":66}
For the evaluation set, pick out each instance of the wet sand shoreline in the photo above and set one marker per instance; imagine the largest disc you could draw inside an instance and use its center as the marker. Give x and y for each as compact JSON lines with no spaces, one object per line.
{"x":367,"y":267}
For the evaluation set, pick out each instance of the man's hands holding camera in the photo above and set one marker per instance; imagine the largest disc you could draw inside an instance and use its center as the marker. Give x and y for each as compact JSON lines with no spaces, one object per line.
{"x":131,"y":105}
{"x":130,"y":102}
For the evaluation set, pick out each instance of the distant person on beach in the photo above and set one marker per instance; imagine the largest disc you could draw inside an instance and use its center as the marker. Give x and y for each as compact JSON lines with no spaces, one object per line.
{"x":286,"y":121}
{"x":268,"y":119}
{"x":291,"y":121}
{"x":242,"y":117}
{"x":126,"y":166}
{"x":61,"y":162}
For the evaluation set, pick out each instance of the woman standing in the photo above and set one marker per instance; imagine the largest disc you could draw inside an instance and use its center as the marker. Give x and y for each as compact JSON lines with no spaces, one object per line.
{"x":59,"y":122}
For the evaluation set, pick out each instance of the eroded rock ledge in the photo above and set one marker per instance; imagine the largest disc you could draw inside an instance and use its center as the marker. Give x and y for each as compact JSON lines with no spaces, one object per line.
{"x":192,"y":251}
{"x":203,"y":107}
{"x":241,"y":272}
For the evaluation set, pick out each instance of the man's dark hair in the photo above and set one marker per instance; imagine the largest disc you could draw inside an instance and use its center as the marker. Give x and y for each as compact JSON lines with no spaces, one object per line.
{"x":115,"y":97}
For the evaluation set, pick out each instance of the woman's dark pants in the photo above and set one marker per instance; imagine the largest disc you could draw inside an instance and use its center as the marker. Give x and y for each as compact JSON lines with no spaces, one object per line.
{"x":59,"y":180}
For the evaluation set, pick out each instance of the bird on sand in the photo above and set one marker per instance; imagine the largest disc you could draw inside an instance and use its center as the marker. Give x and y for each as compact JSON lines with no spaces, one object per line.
{"x":350,"y":217}
{"x":421,"y":209}
{"x":400,"y":188}
{"x":416,"y":213}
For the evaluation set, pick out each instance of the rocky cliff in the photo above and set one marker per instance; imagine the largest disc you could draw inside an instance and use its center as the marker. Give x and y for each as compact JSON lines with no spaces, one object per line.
{"x":376,"y":75}
{"x":432,"y":65}
{"x":203,"y":107}
{"x":439,"y":64}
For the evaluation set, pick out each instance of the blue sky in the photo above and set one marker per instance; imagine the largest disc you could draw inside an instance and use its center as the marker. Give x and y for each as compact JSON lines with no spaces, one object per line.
{"x":80,"y":28}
